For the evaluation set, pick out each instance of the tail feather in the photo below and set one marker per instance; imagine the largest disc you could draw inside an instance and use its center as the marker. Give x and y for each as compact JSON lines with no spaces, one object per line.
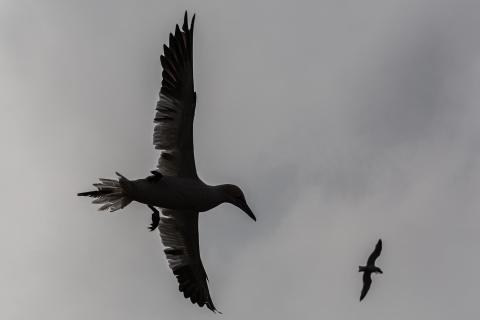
{"x":110,"y":194}
{"x":93,"y":194}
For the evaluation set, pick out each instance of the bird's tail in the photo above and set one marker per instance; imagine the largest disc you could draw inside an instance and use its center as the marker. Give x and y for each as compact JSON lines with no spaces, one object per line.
{"x":111,"y":193}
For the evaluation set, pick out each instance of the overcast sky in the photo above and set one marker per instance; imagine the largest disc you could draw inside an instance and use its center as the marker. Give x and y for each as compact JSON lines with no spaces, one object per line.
{"x":342,"y":121}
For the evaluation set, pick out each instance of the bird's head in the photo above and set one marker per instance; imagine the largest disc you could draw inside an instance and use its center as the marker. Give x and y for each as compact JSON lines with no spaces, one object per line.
{"x":234,"y":195}
{"x":378,"y":270}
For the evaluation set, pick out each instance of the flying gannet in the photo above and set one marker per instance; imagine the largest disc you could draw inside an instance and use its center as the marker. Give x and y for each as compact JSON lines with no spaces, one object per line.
{"x":370,"y":268}
{"x":175,"y":186}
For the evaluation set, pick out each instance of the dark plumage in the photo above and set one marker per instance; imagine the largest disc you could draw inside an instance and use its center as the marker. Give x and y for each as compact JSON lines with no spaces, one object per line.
{"x":370,"y":268}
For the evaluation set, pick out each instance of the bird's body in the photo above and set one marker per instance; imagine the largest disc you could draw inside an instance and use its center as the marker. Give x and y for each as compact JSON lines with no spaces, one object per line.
{"x":175,"y":186}
{"x":176,"y":193}
{"x":370,"y":268}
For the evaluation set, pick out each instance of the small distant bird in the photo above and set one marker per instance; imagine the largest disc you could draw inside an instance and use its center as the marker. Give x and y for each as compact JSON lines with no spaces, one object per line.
{"x":370,"y":268}
{"x":175,"y":187}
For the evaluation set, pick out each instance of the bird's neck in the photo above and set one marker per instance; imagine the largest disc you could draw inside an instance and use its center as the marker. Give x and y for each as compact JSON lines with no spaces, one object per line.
{"x":220,"y":193}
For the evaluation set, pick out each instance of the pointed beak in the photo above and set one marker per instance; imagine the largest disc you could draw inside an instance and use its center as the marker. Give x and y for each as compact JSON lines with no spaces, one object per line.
{"x":245,"y":208}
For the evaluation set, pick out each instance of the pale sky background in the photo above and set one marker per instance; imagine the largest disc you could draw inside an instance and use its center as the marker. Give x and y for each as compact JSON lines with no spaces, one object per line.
{"x":342,"y":121}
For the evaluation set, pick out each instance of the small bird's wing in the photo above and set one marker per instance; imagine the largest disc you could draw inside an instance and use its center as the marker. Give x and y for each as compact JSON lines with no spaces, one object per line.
{"x":179,"y":233}
{"x":367,"y":281}
{"x":374,"y":255}
{"x":173,"y":132}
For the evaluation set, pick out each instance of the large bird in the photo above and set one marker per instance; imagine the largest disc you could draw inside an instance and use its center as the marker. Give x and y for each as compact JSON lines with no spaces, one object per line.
{"x":370,"y":268}
{"x":175,"y":186}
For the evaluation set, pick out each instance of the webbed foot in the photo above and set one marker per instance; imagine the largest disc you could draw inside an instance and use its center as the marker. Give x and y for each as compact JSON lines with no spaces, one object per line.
{"x":155,"y":218}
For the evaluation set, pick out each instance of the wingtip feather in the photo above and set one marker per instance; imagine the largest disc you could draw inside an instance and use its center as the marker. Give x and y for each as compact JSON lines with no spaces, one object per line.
{"x":185,"y":21}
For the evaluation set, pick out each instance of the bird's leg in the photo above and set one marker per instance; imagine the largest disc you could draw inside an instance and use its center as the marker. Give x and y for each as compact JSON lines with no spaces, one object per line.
{"x":155,"y":176}
{"x":155,"y":218}
{"x":156,"y":173}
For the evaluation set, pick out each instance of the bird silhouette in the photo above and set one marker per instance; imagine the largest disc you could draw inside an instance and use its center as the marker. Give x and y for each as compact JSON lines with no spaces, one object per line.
{"x":175,"y":186}
{"x":370,"y":268}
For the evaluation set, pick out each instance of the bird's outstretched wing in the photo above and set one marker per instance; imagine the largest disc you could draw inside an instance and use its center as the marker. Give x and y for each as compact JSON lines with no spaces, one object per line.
{"x":179,"y":233}
{"x":367,"y":281}
{"x":173,"y":133}
{"x":374,"y":255}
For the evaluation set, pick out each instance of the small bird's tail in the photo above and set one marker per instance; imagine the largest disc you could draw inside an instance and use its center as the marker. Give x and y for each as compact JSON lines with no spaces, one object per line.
{"x":110,"y":193}
{"x":361,"y":268}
